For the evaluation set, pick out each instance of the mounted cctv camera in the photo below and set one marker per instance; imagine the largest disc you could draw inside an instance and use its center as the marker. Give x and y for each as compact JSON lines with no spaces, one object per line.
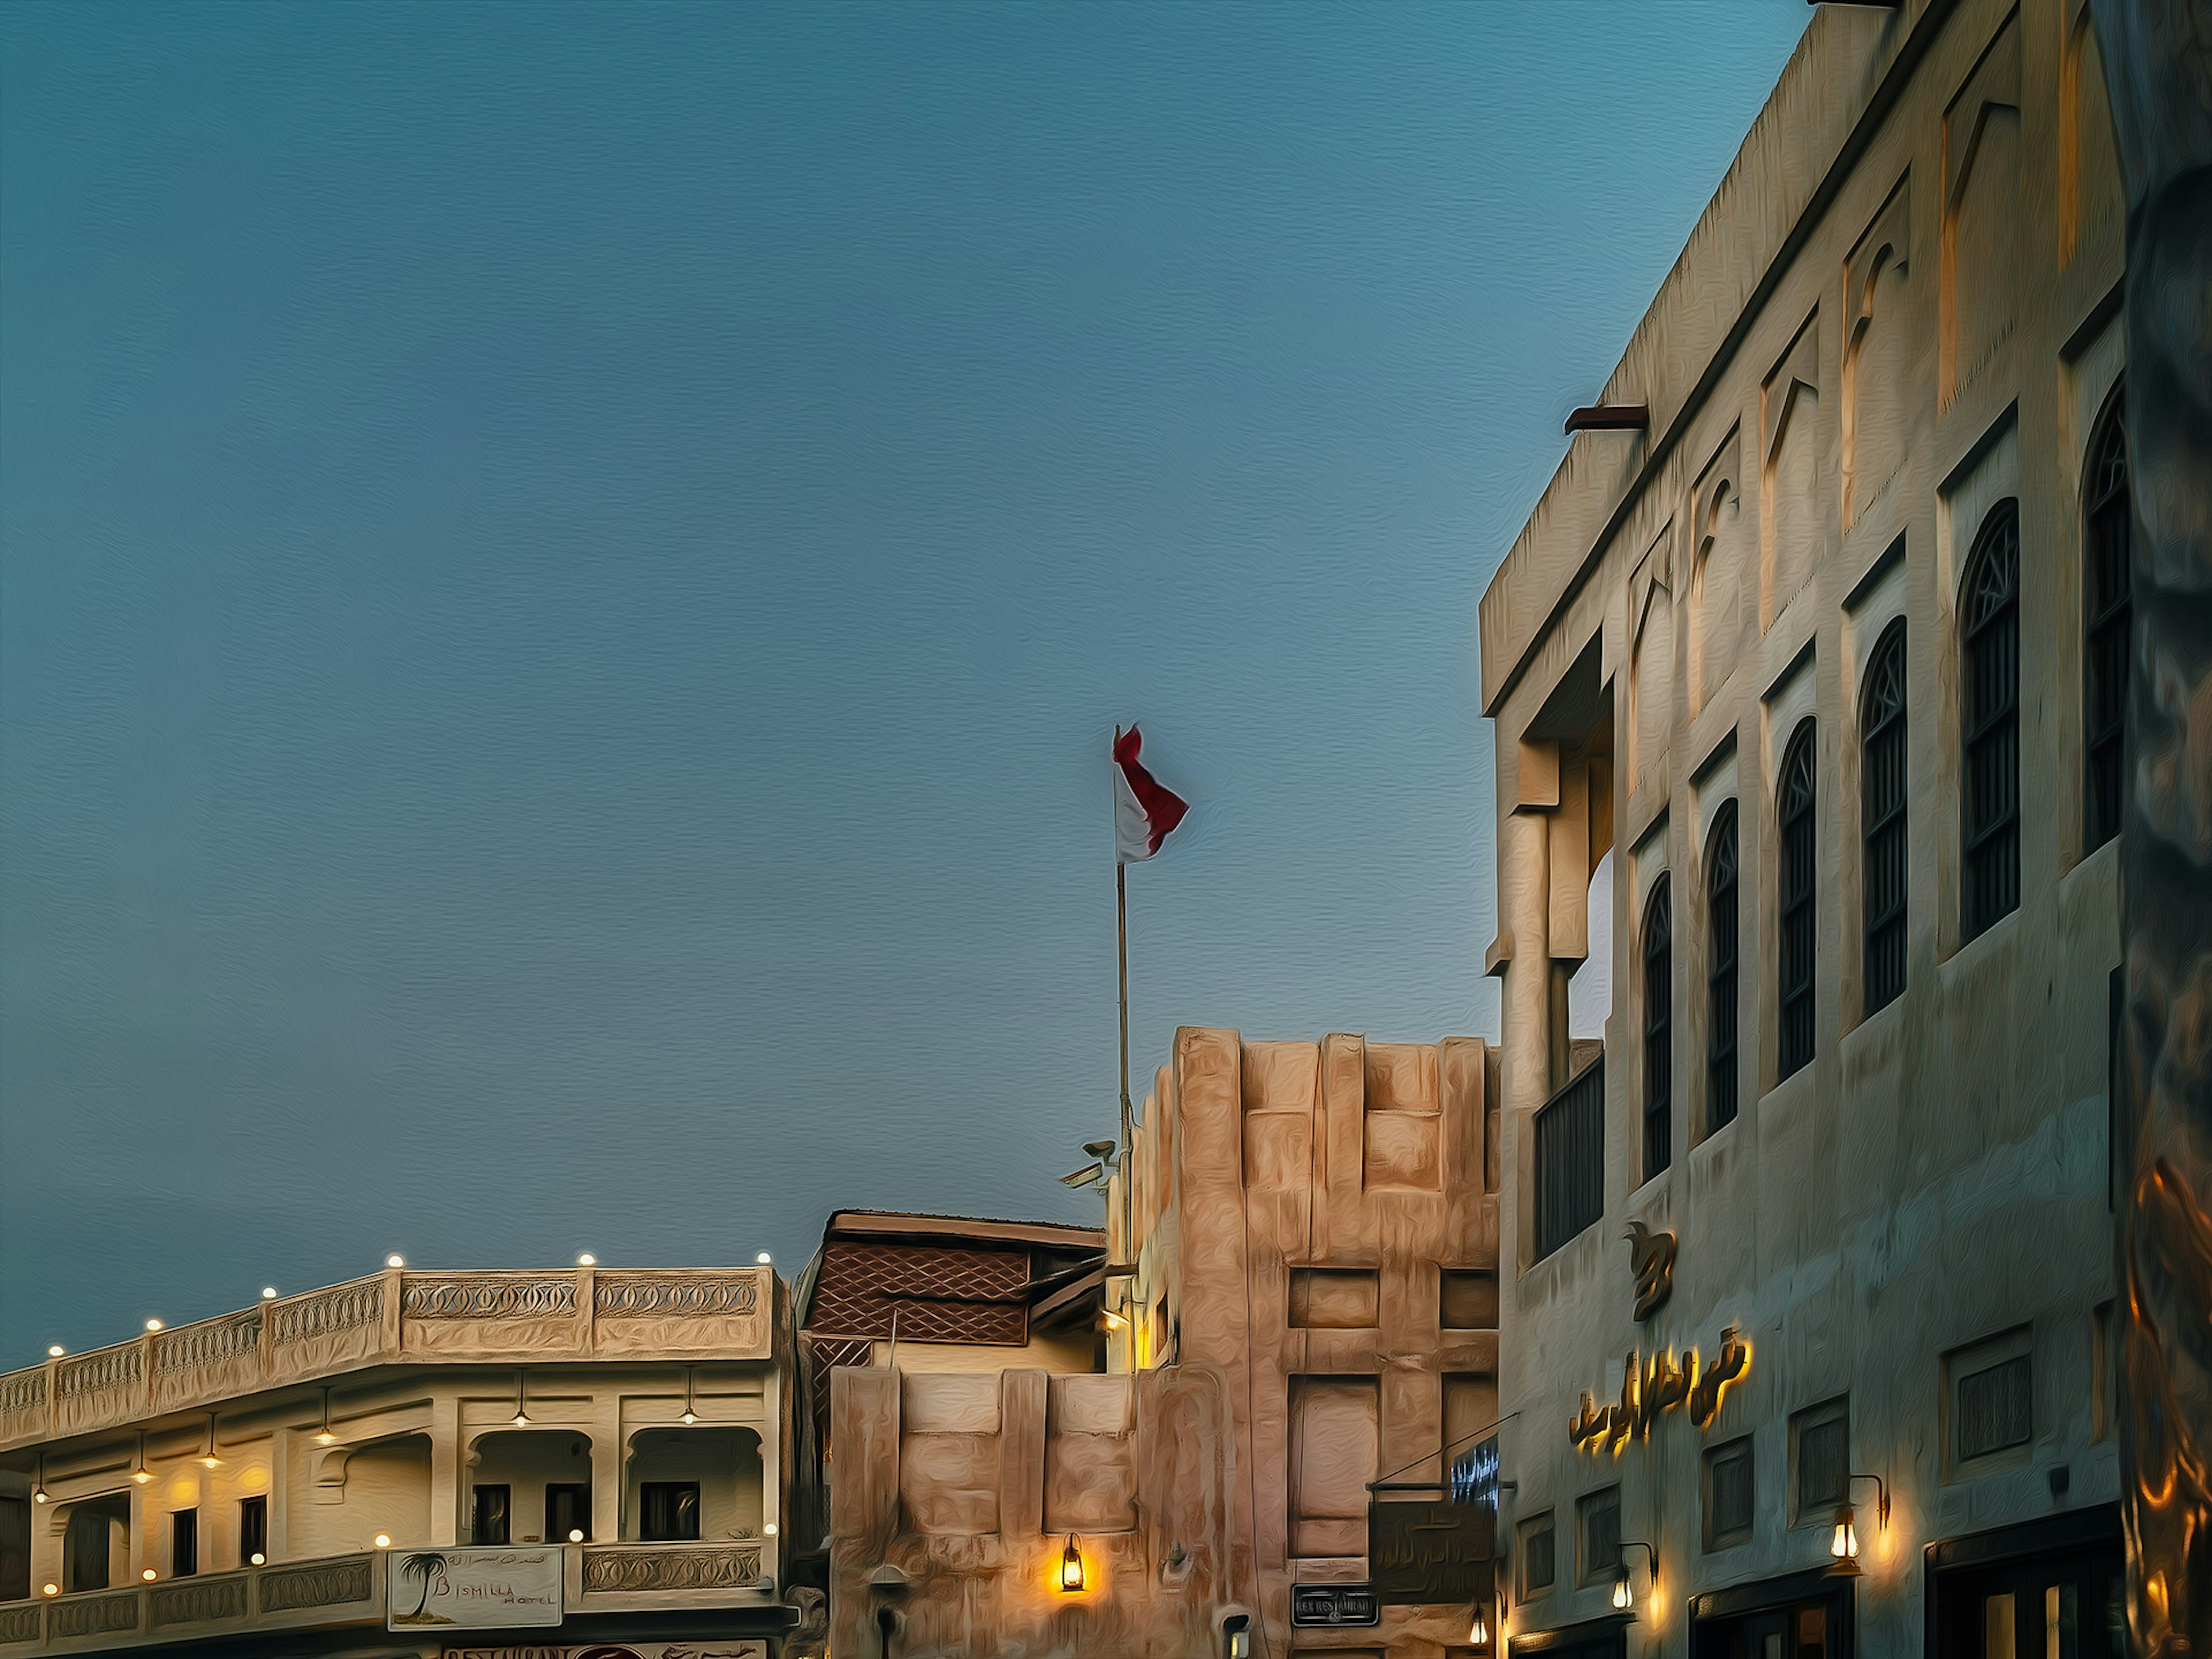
{"x":1089,"y":1175}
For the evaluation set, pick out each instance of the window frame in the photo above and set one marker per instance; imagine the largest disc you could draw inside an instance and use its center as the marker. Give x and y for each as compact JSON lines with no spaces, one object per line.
{"x":185,"y":1542}
{"x":1817,"y":1508}
{"x":1725,"y":942}
{"x":1989,"y":724}
{"x":1797,"y":895}
{"x":2107,"y":617}
{"x":479,"y":1524}
{"x":1885,"y":842}
{"x":1658,"y":939}
{"x":1544,"y":1526}
{"x":648,"y":1493}
{"x":579,"y":1494}
{"x":1716,"y":1537}
{"x":1590,"y":1566}
{"x":252,"y":1528}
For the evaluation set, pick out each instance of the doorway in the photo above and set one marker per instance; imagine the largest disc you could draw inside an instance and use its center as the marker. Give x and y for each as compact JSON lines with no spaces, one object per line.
{"x":1805,"y":1616}
{"x":2065,"y":1604}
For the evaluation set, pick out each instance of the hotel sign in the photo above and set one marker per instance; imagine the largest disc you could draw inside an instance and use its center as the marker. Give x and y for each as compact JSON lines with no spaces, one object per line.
{"x":471,"y":1590}
{"x":1655,"y":1386}
{"x":1335,"y":1605}
{"x":1423,"y":1552}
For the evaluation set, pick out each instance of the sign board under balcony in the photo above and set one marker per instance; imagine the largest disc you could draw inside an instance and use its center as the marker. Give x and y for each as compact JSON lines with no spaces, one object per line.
{"x":473,"y":1590}
{"x":1421,"y":1553}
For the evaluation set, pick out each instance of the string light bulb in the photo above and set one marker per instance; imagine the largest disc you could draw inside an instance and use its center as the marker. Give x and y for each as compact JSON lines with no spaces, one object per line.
{"x":384,"y":1540}
{"x":588,"y":1260}
{"x":691,"y":1416}
{"x":268,"y":1292}
{"x":149,"y":1575}
{"x":153,"y":1324}
{"x":763,"y":1258}
{"x":209,"y":1460}
{"x":141,"y":1474}
{"x":575,"y":1535}
{"x":258,"y":1559}
{"x":395,"y":1260}
{"x":56,"y":1351}
{"x":325,"y":1437}
{"x":38,"y":1485}
{"x":521,"y":1419}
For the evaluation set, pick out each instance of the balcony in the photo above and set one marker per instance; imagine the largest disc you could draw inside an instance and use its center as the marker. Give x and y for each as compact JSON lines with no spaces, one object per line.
{"x":398,"y":1316}
{"x":350,"y":1589}
{"x":1569,"y":1185}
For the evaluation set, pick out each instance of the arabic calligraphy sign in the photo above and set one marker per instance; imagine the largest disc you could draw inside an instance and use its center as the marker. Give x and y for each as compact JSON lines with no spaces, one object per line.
{"x":1658,"y":1385}
{"x":1422,"y":1553}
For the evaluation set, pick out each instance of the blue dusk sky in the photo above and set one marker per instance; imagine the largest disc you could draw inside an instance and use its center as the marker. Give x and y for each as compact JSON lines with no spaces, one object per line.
{"x":569,"y":571}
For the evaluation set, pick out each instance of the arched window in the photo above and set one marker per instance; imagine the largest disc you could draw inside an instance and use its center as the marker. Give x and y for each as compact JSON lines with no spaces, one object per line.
{"x":1720,"y":972}
{"x":1800,"y":884}
{"x":2104,"y":679}
{"x":1658,"y":1030}
{"x":1990,"y":615}
{"x":1882,"y":790}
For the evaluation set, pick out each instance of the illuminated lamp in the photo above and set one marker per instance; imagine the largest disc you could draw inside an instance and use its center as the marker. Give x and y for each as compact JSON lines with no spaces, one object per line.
{"x":140,"y":1472}
{"x":39,"y":1485}
{"x":1071,"y":1567}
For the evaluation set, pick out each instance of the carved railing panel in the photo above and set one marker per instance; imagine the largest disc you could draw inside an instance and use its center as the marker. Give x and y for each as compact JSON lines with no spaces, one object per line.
{"x":99,"y":1387}
{"x":19,"y":1624}
{"x":639,"y":1313}
{"x":330,"y":1584}
{"x":328,"y":1329}
{"x":217,"y":1357}
{"x":96,"y":1616}
{"x":477,"y":1314}
{"x":689,"y":1567}
{"x":197,"y":1602}
{"x":23,"y":1403}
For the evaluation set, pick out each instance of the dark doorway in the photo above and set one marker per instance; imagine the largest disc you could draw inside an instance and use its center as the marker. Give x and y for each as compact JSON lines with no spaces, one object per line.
{"x":1808,"y":1615}
{"x":2061,"y":1604}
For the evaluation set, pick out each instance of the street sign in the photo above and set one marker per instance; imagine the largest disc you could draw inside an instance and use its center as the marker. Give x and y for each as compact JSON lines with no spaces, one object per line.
{"x":1421,"y":1553}
{"x":1333,"y":1604}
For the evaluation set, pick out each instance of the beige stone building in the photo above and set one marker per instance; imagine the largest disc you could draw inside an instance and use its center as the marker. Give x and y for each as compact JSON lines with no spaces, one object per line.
{"x":1300,"y":1305}
{"x":324,"y":1472}
{"x":1818,"y":631}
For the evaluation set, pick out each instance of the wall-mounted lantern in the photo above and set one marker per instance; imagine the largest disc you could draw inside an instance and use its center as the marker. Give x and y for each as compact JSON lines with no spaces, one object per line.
{"x":1071,"y":1567}
{"x":1624,"y":1594}
{"x":1478,"y":1631}
{"x":1844,"y":1544}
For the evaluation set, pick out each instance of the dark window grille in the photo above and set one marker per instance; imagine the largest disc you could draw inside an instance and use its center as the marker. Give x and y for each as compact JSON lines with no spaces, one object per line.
{"x":1800,"y":888}
{"x":668,"y":1511}
{"x":87,"y":1549}
{"x":1600,"y":1513}
{"x":1991,"y":796}
{"x":568,"y":1508}
{"x":488,"y":1514}
{"x":1571,"y":1159}
{"x":184,"y":1543}
{"x":1882,"y":790}
{"x":1720,"y":973}
{"x":253,"y":1530}
{"x":1728,"y":1494}
{"x":1824,"y":1460}
{"x":1537,"y":1566}
{"x":1995,"y":1408}
{"x":1658,"y":1031}
{"x":2104,"y":687}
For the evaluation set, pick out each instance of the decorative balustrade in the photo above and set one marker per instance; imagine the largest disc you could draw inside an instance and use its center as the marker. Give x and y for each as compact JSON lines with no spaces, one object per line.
{"x":632,"y":1568}
{"x":395,"y":1317}
{"x":335,"y":1589}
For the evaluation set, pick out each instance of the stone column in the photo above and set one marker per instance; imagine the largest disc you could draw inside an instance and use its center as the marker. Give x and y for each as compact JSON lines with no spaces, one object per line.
{"x":2158,"y":65}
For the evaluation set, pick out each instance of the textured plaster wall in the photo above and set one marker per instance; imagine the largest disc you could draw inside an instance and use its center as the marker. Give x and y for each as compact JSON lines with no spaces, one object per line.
{"x":1937,"y":1175}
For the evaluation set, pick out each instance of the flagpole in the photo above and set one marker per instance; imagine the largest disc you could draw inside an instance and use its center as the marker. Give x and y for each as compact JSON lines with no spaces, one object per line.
{"x":1121,"y":944}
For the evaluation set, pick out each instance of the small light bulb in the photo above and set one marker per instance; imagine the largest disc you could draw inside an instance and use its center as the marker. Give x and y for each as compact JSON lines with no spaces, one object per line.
{"x":395,"y":1262}
{"x":211,"y":1461}
{"x":384,"y":1540}
{"x":142,"y":1475}
{"x":575,"y":1535}
{"x":1844,"y":1546}
{"x":40,"y":1496}
{"x":1478,"y":1633}
{"x":689,"y":1417}
{"x":326,"y":1438}
{"x":153,"y":1324}
{"x":55,"y":1352}
{"x":522,"y":1419}
{"x":1621,"y":1598}
{"x":148,"y":1575}
{"x":258,"y":1559}
{"x":769,"y":1529}
{"x":588,"y":1260}
{"x":763,"y":1258}
{"x":268,"y":1292}
{"x":50,"y":1590}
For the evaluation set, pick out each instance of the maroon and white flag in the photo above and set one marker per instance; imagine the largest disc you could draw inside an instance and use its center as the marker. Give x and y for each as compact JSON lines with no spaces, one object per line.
{"x":1144,"y":811}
